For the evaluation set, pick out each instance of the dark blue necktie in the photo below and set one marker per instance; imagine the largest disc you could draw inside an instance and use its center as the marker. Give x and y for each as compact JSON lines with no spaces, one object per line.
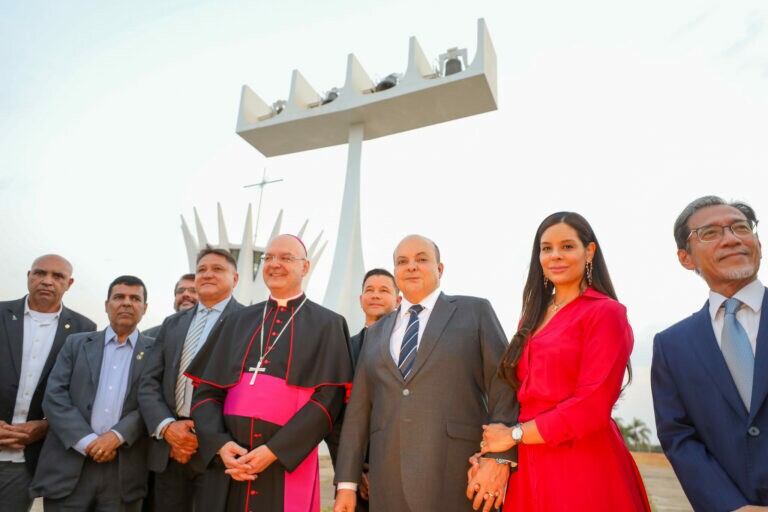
{"x":410,"y":341}
{"x":737,"y":351}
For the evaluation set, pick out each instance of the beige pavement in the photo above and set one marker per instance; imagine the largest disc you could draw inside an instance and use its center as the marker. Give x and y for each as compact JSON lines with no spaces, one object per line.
{"x":664,"y":491}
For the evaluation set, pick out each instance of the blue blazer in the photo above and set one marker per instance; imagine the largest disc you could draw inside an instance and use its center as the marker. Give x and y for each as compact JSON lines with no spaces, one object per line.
{"x":718,"y":450}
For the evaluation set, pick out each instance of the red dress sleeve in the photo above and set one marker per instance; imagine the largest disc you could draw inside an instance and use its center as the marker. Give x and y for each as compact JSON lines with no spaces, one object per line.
{"x":606,"y":347}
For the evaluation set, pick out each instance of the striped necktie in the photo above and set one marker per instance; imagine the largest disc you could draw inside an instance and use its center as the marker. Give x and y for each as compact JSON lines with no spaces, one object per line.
{"x":191,"y":346}
{"x":737,"y":351}
{"x":410,"y":341}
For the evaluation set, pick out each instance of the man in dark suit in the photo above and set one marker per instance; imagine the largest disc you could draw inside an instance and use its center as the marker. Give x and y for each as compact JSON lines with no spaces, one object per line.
{"x":424,"y":386}
{"x":710,"y":371}
{"x":94,"y":457}
{"x":379,"y":298}
{"x":184,"y":297}
{"x":32,"y":331}
{"x":165,"y":394}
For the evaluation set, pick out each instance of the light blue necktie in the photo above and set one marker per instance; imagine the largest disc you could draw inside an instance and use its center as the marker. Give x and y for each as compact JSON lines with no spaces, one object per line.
{"x":737,"y":351}
{"x":410,"y":339}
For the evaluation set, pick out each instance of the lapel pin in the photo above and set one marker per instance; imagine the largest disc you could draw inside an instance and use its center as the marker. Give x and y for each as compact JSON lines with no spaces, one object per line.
{"x":139,"y":356}
{"x":66,"y":326}
{"x":13,"y":317}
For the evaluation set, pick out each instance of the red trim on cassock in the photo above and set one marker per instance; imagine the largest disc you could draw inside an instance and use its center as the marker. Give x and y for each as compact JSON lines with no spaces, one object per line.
{"x":330,"y":421}
{"x":347,"y":392}
{"x":202,"y":402}
{"x":290,"y":352}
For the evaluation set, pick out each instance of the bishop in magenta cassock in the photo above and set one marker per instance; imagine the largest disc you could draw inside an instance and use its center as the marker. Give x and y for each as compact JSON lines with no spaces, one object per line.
{"x":270,"y":384}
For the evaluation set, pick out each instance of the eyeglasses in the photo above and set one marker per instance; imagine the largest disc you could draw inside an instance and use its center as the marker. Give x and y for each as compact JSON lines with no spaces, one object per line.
{"x":740,"y":228}
{"x":285,"y":259}
{"x":181,"y":290}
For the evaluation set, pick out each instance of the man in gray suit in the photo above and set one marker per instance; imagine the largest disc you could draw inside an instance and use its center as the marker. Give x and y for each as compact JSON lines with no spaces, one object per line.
{"x":423,"y":389}
{"x":32,"y":331}
{"x":165,"y":393}
{"x":94,"y":457}
{"x":184,"y":297}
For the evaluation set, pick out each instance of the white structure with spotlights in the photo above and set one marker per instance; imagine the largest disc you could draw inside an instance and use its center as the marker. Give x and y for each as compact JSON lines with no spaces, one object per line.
{"x":362,"y":110}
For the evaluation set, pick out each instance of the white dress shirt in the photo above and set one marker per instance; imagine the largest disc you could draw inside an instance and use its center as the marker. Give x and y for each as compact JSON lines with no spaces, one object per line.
{"x":39,"y":332}
{"x":401,"y":322}
{"x":748,"y":315}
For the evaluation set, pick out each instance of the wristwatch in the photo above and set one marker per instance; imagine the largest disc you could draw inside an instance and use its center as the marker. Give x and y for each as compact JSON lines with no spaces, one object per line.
{"x":517,"y":433}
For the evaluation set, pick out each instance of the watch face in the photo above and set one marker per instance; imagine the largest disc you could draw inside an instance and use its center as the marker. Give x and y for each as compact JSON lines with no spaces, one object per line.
{"x":517,"y":434}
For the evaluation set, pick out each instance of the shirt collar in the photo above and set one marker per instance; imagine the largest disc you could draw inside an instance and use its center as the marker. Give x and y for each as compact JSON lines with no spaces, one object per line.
{"x":751,"y":295}
{"x":218,"y":307}
{"x":32,"y":312}
{"x":110,"y":335}
{"x":428,"y":302}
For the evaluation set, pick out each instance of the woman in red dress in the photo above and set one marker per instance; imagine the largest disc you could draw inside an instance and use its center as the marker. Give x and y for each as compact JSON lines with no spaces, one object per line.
{"x":567,"y":363}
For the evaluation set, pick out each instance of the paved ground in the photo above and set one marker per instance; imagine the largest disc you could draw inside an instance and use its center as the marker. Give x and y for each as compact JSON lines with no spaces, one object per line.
{"x":663,"y":488}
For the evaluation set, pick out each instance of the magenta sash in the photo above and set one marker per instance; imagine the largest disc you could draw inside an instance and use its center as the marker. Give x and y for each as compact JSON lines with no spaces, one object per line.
{"x":274,"y":400}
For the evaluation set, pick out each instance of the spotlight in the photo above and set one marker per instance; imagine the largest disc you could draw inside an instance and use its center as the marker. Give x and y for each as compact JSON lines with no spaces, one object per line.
{"x":453,"y":61}
{"x":388,"y":82}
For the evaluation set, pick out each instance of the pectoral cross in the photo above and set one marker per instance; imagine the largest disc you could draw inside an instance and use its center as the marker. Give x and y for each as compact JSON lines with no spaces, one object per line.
{"x":256,"y":370}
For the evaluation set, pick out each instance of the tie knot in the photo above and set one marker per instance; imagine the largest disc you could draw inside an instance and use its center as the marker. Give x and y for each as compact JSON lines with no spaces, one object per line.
{"x":732,"y":305}
{"x":416,"y":309}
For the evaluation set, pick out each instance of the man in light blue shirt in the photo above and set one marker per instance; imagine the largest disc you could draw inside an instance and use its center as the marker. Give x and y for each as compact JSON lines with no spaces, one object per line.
{"x":95,"y":453}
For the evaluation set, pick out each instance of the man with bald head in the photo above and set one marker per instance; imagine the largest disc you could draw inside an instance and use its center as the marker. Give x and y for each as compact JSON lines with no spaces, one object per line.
{"x":423,"y":389}
{"x":32,"y":331}
{"x":270,"y":384}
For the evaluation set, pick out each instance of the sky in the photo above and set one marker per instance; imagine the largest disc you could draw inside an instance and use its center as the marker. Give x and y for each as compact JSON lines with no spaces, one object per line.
{"x":118,"y":118}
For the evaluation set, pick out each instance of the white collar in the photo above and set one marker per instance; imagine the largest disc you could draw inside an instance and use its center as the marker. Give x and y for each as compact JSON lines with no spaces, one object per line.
{"x":751,"y":295}
{"x":427,"y":302}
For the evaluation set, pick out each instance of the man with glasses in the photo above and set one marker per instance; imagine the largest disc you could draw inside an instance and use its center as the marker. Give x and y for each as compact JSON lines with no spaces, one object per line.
{"x":270,"y":384}
{"x":165,"y":394}
{"x":710,"y":371}
{"x":184,"y":297}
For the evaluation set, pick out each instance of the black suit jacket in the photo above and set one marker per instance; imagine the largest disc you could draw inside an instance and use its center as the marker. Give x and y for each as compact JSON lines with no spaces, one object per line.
{"x":11,"y":346}
{"x":157,"y":390}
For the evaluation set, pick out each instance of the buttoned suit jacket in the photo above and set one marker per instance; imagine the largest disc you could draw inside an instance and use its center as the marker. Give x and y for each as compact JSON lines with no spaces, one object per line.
{"x":11,"y":348}
{"x":157,"y":390}
{"x":718,"y":450}
{"x":423,"y":429}
{"x":68,"y":404}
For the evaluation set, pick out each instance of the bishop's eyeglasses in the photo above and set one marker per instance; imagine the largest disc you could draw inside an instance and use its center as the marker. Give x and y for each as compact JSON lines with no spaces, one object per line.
{"x":740,"y":229}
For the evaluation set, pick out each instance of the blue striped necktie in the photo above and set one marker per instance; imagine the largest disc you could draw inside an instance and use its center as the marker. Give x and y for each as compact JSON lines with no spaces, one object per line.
{"x":410,"y":341}
{"x":737,"y":351}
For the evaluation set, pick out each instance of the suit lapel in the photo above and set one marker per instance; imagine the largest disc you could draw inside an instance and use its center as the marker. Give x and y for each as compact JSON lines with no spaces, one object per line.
{"x":137,"y":362}
{"x":181,"y":335}
{"x":14,"y":331}
{"x":62,"y":331}
{"x":760,"y":384}
{"x":438,"y":319}
{"x":388,"y":325}
{"x":94,"y":353}
{"x":704,"y":344}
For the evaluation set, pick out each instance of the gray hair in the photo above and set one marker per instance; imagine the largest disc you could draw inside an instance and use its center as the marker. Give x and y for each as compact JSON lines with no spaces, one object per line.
{"x":682,"y":230}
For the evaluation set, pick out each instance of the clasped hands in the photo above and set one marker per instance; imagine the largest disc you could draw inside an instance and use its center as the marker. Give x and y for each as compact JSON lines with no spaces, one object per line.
{"x":103,"y":448}
{"x":17,"y":436}
{"x":244,"y":465}
{"x":182,"y":438}
{"x":487,"y":479}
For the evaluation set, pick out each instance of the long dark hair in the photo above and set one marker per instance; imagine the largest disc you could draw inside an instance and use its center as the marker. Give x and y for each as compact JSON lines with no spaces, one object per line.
{"x":537,"y":296}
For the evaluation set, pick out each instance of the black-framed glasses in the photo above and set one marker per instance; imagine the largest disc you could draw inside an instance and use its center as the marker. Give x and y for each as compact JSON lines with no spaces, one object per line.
{"x":740,"y":228}
{"x":285,"y":259}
